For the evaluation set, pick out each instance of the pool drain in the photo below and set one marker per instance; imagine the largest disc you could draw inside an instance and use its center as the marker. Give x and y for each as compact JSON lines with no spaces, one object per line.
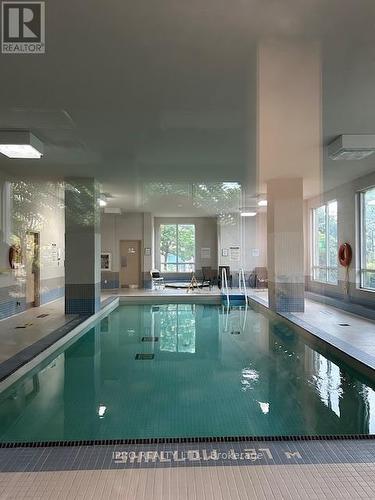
{"x":144,"y":356}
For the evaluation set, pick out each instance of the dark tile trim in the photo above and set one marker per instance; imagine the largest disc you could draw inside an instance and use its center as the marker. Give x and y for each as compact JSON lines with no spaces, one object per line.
{"x":176,"y":440}
{"x":26,"y":355}
{"x":29,"y":353}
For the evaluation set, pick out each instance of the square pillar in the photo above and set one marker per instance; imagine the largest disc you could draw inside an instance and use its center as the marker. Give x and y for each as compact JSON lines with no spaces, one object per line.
{"x":285,"y":245}
{"x":82,"y":246}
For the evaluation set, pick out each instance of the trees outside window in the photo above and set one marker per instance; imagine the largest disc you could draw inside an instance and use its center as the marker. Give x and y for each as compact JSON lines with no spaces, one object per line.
{"x":325,"y":243}
{"x":177,"y":248}
{"x":367,"y":201}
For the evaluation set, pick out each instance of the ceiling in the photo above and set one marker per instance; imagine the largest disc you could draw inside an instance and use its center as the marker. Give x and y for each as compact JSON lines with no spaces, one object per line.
{"x":134,"y":93}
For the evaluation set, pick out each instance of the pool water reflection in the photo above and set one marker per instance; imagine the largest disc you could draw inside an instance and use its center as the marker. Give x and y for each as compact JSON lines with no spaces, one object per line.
{"x":213,"y":373}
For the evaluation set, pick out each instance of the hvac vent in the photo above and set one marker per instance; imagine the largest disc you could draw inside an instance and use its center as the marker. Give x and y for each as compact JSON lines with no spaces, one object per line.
{"x":352,"y":147}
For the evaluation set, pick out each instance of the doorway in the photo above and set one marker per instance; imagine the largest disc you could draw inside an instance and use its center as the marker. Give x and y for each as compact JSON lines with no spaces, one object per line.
{"x":130,"y":263}
{"x":32,"y":270}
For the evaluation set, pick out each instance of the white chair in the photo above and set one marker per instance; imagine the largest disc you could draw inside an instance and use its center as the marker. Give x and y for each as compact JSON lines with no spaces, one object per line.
{"x":157,"y":280}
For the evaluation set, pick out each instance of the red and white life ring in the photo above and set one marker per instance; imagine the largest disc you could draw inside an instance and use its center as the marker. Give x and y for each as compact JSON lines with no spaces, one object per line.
{"x":345,"y":254}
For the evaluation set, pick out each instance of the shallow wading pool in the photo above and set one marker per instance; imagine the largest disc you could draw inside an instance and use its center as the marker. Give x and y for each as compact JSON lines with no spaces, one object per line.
{"x":187,"y":370}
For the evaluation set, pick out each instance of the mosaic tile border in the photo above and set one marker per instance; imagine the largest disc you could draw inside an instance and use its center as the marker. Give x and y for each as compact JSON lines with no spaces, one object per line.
{"x":184,"y":440}
{"x":205,"y":454}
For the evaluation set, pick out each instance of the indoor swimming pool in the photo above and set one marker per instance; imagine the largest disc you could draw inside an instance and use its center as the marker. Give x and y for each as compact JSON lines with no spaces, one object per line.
{"x":187,"y":370}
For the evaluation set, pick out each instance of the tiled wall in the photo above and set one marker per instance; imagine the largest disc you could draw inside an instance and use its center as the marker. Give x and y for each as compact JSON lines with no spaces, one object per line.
{"x":51,"y":289}
{"x":12,"y":300}
{"x":110,"y":280}
{"x":83,"y":299}
{"x":40,"y":210}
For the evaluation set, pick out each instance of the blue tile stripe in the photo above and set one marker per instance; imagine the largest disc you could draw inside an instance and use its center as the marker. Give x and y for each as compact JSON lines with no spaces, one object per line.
{"x":50,"y":295}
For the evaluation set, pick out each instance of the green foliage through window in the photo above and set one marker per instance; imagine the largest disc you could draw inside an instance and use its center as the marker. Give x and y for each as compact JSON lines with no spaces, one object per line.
{"x":325,"y":243}
{"x":368,"y":239}
{"x":177,"y":247}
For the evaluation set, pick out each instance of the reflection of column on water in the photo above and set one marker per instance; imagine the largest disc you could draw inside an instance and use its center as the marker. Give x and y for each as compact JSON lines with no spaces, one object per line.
{"x":354,"y":405}
{"x":346,"y":398}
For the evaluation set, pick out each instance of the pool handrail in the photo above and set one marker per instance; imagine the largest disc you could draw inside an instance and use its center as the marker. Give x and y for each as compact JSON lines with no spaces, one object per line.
{"x":242,"y":281}
{"x":224,"y":284}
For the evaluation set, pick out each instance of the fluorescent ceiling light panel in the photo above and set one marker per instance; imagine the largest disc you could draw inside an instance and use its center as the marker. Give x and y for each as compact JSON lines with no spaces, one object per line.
{"x":20,"y":144}
{"x":352,"y":147}
{"x":248,"y":214}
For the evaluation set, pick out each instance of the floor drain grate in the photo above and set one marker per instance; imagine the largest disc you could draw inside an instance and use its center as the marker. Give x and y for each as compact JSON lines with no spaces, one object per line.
{"x":145,"y":356}
{"x":344,"y":324}
{"x":42,"y":315}
{"x":23,"y":326}
{"x":150,"y":339}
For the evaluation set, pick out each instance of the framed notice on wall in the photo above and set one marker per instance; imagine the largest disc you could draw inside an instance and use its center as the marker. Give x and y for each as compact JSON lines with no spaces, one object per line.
{"x":235,"y":254}
{"x":205,"y":253}
{"x":106,"y":261}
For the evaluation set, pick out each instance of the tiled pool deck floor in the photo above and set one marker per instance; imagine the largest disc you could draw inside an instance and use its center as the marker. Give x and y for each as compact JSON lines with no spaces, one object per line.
{"x":248,"y":470}
{"x":254,"y":470}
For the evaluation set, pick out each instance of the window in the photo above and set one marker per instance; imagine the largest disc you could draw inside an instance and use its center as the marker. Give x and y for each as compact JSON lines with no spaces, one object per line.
{"x":177,"y":248}
{"x":325,"y":244}
{"x":367,"y":199}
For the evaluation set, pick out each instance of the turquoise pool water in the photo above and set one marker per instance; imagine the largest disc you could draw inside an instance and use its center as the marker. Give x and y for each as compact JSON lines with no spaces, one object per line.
{"x":212,"y":374}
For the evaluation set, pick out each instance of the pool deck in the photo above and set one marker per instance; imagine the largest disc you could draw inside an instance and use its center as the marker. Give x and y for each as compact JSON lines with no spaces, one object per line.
{"x":247,"y":470}
{"x":349,"y":333}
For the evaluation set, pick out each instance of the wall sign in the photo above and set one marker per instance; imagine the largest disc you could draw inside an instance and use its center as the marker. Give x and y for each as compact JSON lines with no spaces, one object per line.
{"x":205,"y":253}
{"x":235,"y":254}
{"x":224,"y":252}
{"x":106,"y":261}
{"x":147,"y":252}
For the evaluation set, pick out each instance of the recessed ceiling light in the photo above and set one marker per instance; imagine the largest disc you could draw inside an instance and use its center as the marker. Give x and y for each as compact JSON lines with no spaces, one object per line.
{"x":20,"y":144}
{"x":262,"y":203}
{"x":248,"y":214}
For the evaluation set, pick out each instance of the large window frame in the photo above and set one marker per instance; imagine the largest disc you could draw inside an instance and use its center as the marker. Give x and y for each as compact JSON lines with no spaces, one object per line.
{"x":365,"y":270}
{"x":328,"y":271}
{"x":181,"y":266}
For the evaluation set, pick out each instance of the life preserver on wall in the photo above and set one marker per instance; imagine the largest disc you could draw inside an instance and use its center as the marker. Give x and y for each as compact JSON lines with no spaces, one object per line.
{"x":345,"y":254}
{"x":14,"y":256}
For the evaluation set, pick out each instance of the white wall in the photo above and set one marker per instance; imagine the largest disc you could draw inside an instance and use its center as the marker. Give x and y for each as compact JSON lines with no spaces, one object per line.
{"x":128,"y":226}
{"x":250,"y":234}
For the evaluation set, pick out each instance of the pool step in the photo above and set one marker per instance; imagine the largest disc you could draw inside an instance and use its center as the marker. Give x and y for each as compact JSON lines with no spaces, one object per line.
{"x":235,"y":299}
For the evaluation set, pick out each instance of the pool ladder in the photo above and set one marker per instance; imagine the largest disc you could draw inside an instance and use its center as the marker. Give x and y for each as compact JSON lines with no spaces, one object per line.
{"x":242,"y":284}
{"x":243,"y":289}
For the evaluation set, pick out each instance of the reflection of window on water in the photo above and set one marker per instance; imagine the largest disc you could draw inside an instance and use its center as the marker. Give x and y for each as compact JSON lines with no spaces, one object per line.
{"x":176,"y":323}
{"x":328,"y":382}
